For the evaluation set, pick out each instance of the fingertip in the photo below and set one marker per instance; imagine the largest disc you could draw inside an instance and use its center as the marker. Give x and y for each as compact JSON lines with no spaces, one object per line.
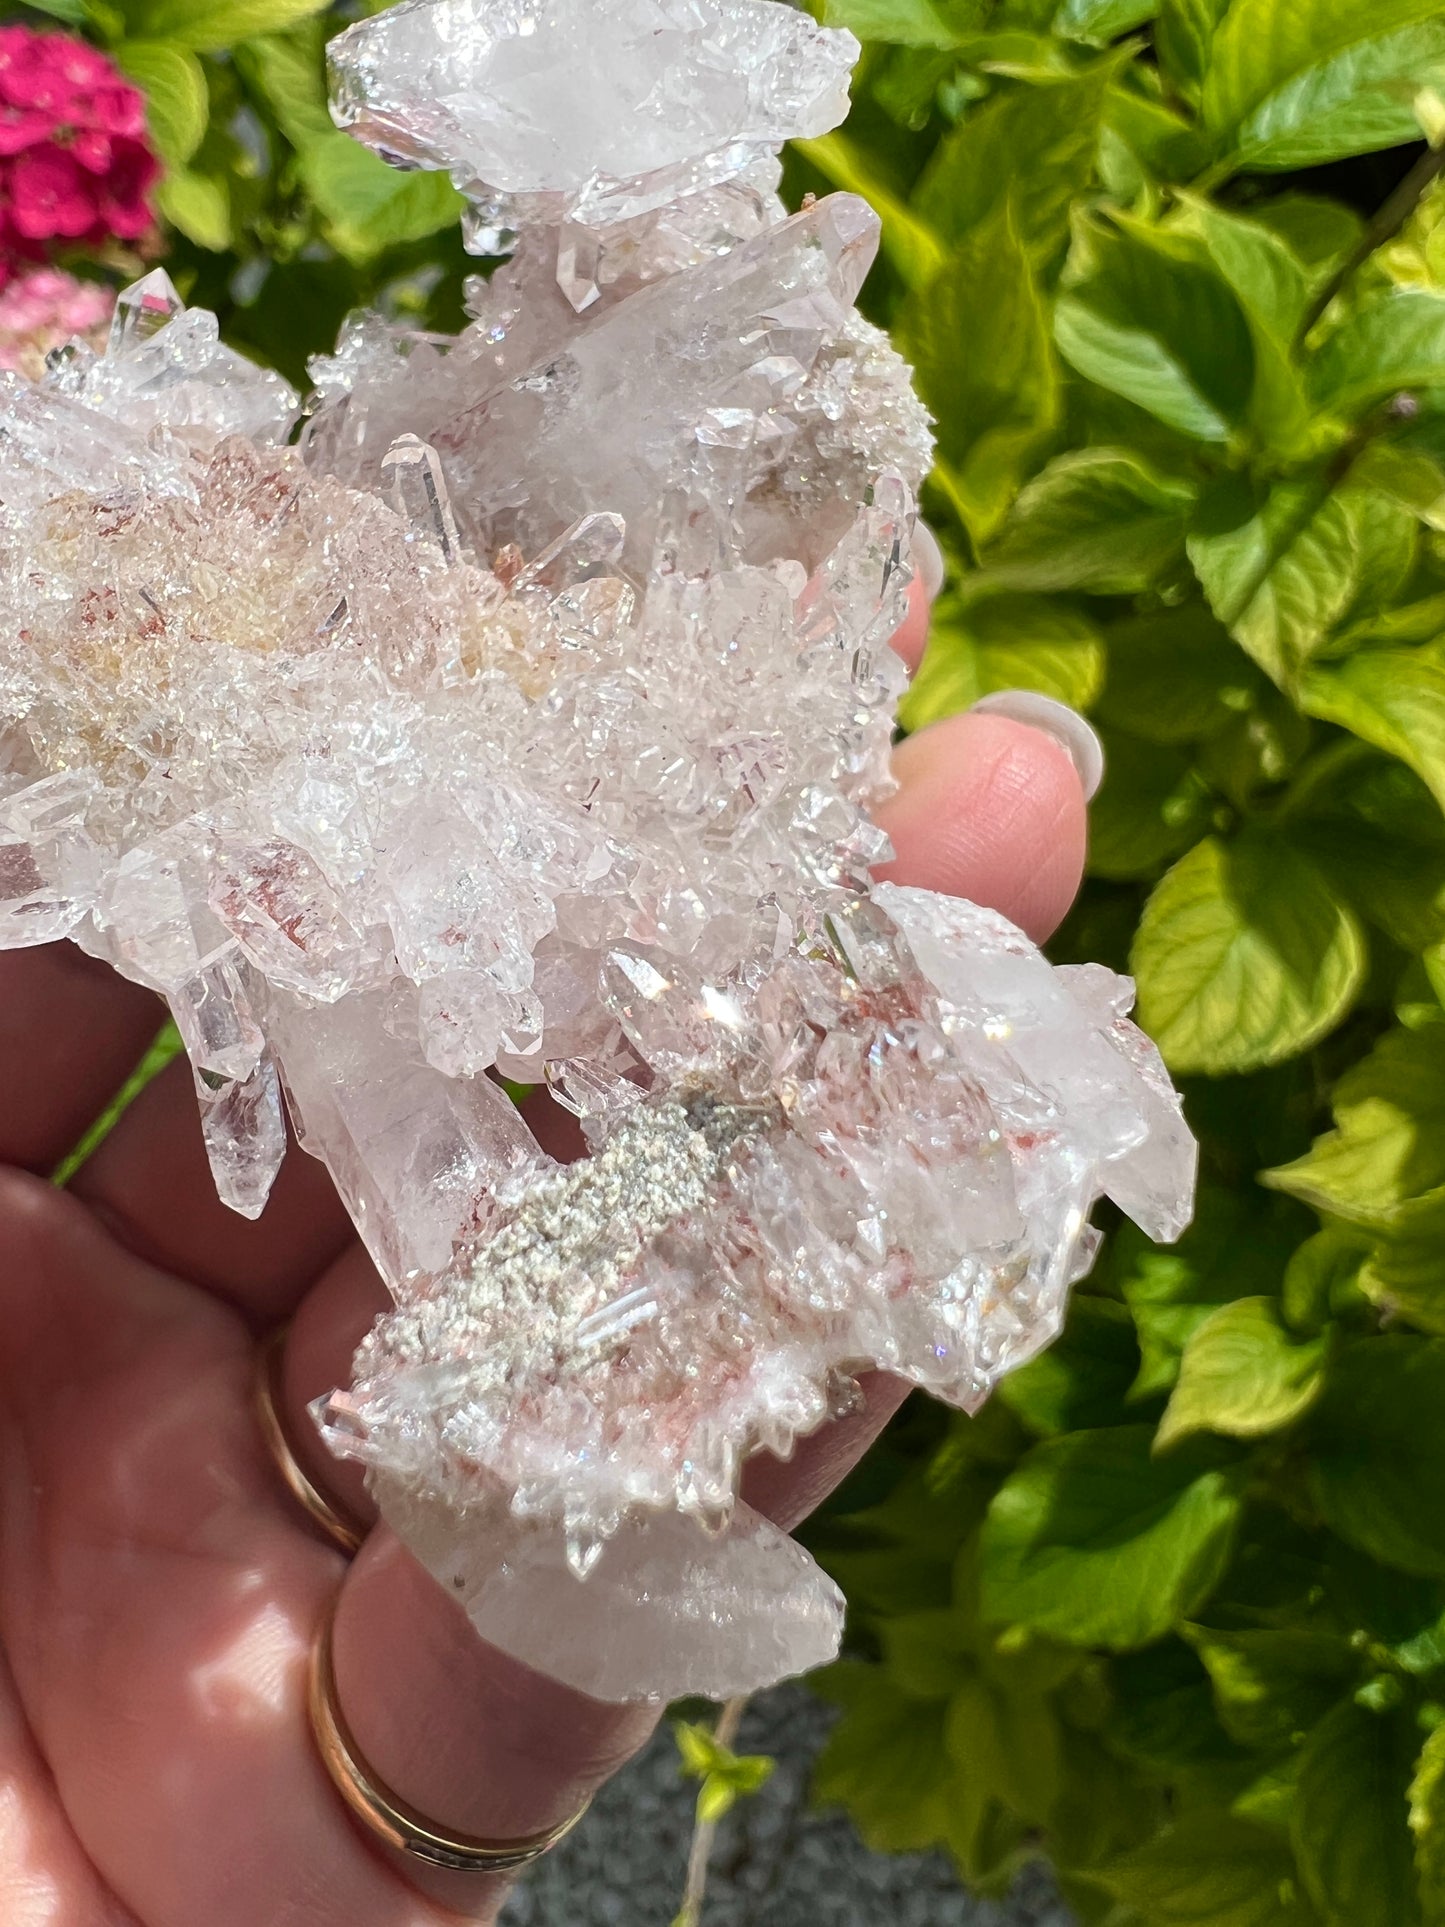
{"x":993,"y":810}
{"x":911,"y":640}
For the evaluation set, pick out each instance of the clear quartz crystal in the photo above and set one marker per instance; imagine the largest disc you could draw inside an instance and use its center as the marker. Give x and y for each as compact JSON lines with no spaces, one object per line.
{"x":525,"y":721}
{"x":547,"y":109}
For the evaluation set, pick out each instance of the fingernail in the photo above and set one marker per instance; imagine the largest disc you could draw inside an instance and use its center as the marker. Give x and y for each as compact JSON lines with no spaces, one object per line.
{"x":928,"y":559}
{"x":1056,"y":719}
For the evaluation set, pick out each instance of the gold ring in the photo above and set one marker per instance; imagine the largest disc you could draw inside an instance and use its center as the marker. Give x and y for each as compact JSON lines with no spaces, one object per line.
{"x":388,"y":1817}
{"x":343,"y":1532}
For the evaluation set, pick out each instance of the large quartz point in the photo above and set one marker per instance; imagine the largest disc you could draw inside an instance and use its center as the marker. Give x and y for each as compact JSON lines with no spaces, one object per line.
{"x":523,"y":719}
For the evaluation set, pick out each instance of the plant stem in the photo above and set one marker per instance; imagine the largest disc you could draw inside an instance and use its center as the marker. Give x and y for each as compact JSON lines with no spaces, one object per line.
{"x":705,"y":1831}
{"x":1384,"y":226}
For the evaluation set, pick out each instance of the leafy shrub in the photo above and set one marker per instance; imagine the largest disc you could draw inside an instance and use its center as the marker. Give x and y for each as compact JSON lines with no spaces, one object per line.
{"x":1173,"y":276}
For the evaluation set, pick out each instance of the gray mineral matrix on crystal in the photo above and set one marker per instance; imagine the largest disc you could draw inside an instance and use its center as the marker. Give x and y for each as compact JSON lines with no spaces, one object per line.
{"x":524,"y":718}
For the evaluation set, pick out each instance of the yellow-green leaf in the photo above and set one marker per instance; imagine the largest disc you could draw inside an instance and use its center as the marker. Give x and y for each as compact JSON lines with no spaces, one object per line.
{"x":1427,"y":1824}
{"x":1388,"y":1144}
{"x":1393,"y":698}
{"x":177,"y":102}
{"x":1094,"y":1541}
{"x":199,"y":205}
{"x":1005,"y":642}
{"x":369,"y":206}
{"x":978,"y":338}
{"x":207,"y":25}
{"x":1243,"y":1374}
{"x":1294,"y":82}
{"x":1244,"y":956}
{"x":1349,"y":1821}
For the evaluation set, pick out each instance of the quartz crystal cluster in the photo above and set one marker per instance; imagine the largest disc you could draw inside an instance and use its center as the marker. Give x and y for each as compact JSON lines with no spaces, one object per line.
{"x":515,"y":711}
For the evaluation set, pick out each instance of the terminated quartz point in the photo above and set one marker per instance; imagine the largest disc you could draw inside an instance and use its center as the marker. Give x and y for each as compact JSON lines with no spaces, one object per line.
{"x":523,"y":719}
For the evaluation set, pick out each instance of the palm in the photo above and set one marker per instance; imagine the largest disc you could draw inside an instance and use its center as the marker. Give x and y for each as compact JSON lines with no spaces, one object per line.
{"x":160,"y":1591}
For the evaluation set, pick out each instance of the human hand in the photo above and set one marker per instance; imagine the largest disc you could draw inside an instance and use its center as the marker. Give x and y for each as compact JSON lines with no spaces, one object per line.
{"x":160,"y":1591}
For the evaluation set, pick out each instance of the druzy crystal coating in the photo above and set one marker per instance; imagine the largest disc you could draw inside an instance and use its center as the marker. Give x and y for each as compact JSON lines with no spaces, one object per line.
{"x":520,"y":716}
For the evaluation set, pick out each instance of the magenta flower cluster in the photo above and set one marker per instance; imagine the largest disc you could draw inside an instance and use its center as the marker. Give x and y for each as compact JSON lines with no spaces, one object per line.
{"x":75,"y":166}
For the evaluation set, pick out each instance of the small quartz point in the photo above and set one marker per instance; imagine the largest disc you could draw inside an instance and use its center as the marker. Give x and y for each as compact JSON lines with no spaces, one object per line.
{"x":142,"y":311}
{"x":414,"y":483}
{"x":245,"y":1134}
{"x":525,"y":718}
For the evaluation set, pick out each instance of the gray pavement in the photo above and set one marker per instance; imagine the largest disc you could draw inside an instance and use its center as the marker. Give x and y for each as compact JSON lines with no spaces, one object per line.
{"x":778,"y":1863}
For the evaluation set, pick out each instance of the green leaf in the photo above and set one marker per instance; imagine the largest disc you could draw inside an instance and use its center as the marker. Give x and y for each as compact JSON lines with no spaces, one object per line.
{"x":1321,"y":233}
{"x":1271,"y":1685}
{"x":1393,"y":344}
{"x":1148,"y":316}
{"x":1321,"y":1279}
{"x":1393,"y":698}
{"x":1097,"y":22}
{"x":1096,"y":518}
{"x":1255,"y":750}
{"x":1388,"y":1144}
{"x":1405,"y":1274}
{"x":1029,"y":145}
{"x":1005,"y":1746}
{"x":1259,"y":266}
{"x":1152,"y":806}
{"x":1375,"y":830}
{"x":885,"y":1759}
{"x":716,"y":1798}
{"x":1243,"y":1374}
{"x":1161,"y":1712}
{"x":207,"y":25}
{"x":1184,"y":39}
{"x":1244,"y":957}
{"x":1273,"y":291}
{"x":1209,"y":1871}
{"x":1282,"y":569}
{"x":928,"y":1653}
{"x":750,"y":1772}
{"x":906,"y":23}
{"x":1239,"y":1245}
{"x":1427,"y":1824}
{"x":1098,"y":1543}
{"x":699,"y":1751}
{"x":1175,"y":676}
{"x":1005,"y":642}
{"x":75,"y":13}
{"x":177,"y":103}
{"x":1378,"y":1451}
{"x":1349,"y":1822}
{"x":1292,"y":83}
{"x":288,"y":71}
{"x":1084,"y":1377}
{"x":996,"y":396}
{"x":1144,"y":142}
{"x":200,"y":206}
{"x":369,"y":206}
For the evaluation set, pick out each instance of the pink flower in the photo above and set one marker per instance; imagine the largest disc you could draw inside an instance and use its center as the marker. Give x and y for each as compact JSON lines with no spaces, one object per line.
{"x":118,"y":110}
{"x":52,"y":195}
{"x":20,"y":127}
{"x":75,"y":165}
{"x":42,"y":310}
